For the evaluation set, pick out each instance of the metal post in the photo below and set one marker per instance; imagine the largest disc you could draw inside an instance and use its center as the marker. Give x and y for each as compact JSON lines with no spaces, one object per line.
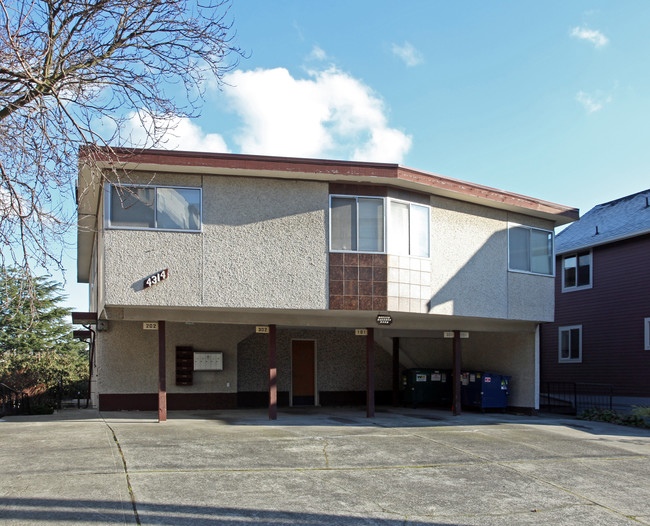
{"x":456,"y":374}
{"x":162,"y":374}
{"x":370,"y":373}
{"x":273,"y":378}
{"x":395,"y":372}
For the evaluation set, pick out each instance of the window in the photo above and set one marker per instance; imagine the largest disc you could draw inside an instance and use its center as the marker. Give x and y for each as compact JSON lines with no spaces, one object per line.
{"x":408,"y":231}
{"x":576,"y":271}
{"x":155,"y":207}
{"x":358,"y":224}
{"x":646,"y":325}
{"x":570,"y":344}
{"x":530,"y":250}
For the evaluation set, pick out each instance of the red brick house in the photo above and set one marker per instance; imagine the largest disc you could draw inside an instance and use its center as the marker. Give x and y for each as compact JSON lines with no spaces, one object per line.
{"x":601,"y":333}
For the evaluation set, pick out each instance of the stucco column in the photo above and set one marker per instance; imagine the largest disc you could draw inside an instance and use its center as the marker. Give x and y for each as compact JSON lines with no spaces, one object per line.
{"x":455,"y":407}
{"x":273,"y":375}
{"x":370,"y":373}
{"x":162,"y":373}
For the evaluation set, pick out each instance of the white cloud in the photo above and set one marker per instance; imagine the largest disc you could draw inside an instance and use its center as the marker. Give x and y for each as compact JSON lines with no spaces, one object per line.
{"x":177,"y":133}
{"x":592,"y":103}
{"x":329,"y":114}
{"x":592,"y":35}
{"x":317,"y":53}
{"x":408,"y":54}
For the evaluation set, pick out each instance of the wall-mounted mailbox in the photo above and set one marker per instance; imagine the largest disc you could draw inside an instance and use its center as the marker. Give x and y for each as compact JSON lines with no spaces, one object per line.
{"x":208,"y":360}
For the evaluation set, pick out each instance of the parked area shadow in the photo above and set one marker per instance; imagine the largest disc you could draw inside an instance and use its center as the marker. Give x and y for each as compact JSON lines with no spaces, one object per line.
{"x":61,"y":511}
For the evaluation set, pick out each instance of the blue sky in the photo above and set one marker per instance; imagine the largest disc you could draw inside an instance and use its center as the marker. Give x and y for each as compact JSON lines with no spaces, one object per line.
{"x":548,"y":99}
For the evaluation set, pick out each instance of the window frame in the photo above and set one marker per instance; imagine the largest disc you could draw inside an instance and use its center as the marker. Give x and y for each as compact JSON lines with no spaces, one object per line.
{"x":386,"y":212}
{"x":356,"y":199}
{"x":569,"y":328}
{"x":108,"y":198}
{"x":410,"y":204}
{"x":575,"y":287}
{"x":646,"y":330}
{"x":511,"y":226}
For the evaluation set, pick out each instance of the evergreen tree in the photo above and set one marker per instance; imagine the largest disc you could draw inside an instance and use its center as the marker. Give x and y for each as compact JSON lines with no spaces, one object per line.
{"x":37,"y":350}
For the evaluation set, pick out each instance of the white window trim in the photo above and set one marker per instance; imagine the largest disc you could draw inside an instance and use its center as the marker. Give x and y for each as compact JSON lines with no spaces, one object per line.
{"x":356,"y":198}
{"x":591,"y":272}
{"x":559,"y":346}
{"x":646,"y":326}
{"x":107,"y":209}
{"x":410,"y":204}
{"x":514,"y":225}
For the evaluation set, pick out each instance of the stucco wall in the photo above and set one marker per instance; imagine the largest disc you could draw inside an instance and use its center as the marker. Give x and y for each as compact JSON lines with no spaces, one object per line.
{"x":469,"y":265}
{"x":263,"y":245}
{"x":128,"y":362}
{"x":340,"y":361}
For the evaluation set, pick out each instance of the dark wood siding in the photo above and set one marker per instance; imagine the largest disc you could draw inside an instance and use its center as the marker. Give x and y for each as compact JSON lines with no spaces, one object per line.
{"x":611,"y":314}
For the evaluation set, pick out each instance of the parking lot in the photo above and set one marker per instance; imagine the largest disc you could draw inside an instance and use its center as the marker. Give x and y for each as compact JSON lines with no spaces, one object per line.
{"x":321,"y":466}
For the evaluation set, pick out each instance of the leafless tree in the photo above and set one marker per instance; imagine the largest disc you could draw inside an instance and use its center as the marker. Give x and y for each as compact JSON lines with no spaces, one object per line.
{"x":72,"y":72}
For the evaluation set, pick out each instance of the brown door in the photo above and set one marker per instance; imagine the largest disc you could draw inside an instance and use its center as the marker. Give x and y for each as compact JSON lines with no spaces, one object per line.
{"x":303,"y":380}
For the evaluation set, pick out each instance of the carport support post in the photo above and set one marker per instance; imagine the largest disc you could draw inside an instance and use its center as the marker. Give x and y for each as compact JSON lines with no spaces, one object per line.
{"x":455,"y":407}
{"x":273,"y":375}
{"x":162,"y":374}
{"x":370,"y":373}
{"x":395,"y":372}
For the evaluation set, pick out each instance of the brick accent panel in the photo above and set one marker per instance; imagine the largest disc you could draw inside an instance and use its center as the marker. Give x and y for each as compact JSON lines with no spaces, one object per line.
{"x":358,"y":281}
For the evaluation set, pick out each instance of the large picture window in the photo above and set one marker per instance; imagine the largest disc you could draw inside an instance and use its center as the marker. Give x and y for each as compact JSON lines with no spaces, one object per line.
{"x":576,"y":271}
{"x":155,"y":207}
{"x":570,"y":344}
{"x":358,"y":224}
{"x":530,"y":250}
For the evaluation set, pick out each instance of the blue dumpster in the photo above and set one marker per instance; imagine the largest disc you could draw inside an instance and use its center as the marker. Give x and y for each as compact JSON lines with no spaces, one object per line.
{"x":484,"y":390}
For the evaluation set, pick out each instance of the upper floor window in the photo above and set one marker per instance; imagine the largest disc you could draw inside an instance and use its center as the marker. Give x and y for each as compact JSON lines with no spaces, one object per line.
{"x":154,"y":207}
{"x":570,"y":344}
{"x":359,"y":224}
{"x":576,"y":271}
{"x":530,"y":250}
{"x":408,"y":229}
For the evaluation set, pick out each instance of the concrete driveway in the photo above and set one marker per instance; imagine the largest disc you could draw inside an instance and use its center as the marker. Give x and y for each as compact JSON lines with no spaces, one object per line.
{"x":322,"y":466}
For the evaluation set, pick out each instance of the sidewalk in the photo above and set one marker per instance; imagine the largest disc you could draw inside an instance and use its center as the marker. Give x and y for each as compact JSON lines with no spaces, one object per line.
{"x":321,"y":466}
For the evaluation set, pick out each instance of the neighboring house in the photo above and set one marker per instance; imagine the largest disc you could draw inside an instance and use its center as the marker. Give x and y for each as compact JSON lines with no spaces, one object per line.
{"x":258,"y":271}
{"x":601,"y":333}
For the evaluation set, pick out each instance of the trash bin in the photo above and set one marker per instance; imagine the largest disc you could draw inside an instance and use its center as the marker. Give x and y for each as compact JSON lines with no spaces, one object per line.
{"x":418,"y":388}
{"x":441,"y":387}
{"x":484,"y":390}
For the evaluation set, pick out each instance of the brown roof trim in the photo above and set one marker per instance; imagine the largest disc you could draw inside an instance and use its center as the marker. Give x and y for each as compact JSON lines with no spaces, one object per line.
{"x":330,"y":169}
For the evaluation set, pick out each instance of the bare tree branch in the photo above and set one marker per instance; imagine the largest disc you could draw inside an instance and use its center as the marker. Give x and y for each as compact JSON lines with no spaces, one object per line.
{"x":70,"y":67}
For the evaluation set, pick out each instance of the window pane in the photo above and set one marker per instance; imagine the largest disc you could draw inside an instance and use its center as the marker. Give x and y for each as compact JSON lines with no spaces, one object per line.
{"x":398,"y":234}
{"x":178,"y":208}
{"x":132,"y":206}
{"x":344,"y":223}
{"x":570,"y":271}
{"x":519,"y":248}
{"x":541,"y":252}
{"x":564,"y":345}
{"x":371,"y":224}
{"x":575,"y":344}
{"x":584,"y":269}
{"x":419,"y":231}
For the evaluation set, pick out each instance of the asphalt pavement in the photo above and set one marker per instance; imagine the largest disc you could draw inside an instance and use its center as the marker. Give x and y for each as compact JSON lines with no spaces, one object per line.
{"x":320,"y":466}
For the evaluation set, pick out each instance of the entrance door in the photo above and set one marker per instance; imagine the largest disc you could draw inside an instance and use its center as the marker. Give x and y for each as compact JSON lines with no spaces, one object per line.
{"x":303,"y":380}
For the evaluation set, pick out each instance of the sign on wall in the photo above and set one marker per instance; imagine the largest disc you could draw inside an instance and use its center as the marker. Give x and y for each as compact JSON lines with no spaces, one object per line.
{"x":156,"y":278}
{"x":208,"y":360}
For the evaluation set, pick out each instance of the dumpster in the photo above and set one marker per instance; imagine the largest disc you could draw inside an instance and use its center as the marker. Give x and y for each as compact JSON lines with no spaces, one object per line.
{"x":426,"y":386}
{"x":484,"y":390}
